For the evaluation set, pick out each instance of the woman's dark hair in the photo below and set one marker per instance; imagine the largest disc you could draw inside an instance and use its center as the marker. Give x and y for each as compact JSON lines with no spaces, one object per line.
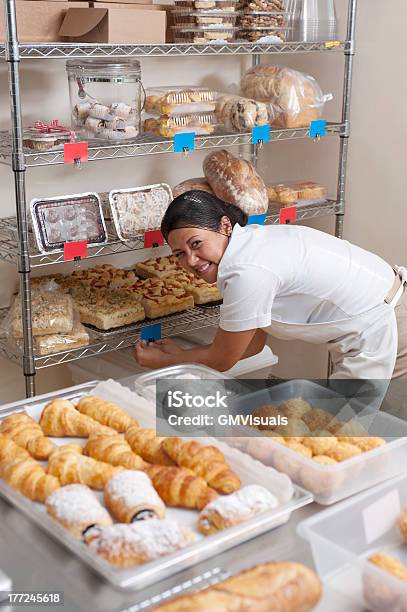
{"x":199,"y":209}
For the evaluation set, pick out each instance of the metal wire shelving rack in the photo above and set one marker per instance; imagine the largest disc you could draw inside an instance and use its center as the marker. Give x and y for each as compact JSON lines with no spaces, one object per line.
{"x":16,"y":245}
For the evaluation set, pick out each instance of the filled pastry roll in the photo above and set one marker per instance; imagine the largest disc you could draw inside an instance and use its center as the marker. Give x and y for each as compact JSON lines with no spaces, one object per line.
{"x":77,"y":508}
{"x":236,"y":508}
{"x":129,"y":545}
{"x":130,"y":496}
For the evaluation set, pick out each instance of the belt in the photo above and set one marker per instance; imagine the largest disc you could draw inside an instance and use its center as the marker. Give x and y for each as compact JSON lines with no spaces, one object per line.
{"x":397,"y":284}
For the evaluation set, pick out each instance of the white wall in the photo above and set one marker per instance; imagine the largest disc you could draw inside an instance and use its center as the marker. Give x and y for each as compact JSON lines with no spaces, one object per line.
{"x":375,"y":190}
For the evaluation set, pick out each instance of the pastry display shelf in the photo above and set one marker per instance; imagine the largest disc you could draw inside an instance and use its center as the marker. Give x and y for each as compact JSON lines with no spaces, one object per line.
{"x":73,"y":50}
{"x":9,"y":243}
{"x":147,"y":144}
{"x":172,"y":325}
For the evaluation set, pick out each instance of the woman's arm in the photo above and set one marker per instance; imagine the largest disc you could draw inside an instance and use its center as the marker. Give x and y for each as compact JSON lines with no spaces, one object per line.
{"x":225,"y":351}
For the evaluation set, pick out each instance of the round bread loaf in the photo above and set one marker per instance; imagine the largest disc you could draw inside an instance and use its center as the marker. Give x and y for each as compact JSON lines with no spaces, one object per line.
{"x":192,"y":184}
{"x":236,"y":181}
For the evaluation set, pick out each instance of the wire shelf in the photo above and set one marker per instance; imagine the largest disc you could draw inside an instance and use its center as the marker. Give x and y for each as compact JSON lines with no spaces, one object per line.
{"x":172,"y":325}
{"x":9,"y":237}
{"x":73,"y":50}
{"x":146,"y":144}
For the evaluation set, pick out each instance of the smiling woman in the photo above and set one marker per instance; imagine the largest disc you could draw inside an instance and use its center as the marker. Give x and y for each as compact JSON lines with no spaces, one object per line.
{"x":290,"y":282}
{"x":200,"y":226}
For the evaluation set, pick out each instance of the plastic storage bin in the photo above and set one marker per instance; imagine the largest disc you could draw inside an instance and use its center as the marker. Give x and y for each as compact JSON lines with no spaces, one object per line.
{"x":342,"y":538}
{"x":328,"y":483}
{"x":106,"y":98}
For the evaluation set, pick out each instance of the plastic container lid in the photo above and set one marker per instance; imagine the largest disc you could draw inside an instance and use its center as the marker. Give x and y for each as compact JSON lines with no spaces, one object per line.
{"x":102,"y":66}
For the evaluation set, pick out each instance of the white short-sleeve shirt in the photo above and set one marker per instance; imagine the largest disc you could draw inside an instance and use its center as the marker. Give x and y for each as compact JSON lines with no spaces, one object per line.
{"x":296,"y":274}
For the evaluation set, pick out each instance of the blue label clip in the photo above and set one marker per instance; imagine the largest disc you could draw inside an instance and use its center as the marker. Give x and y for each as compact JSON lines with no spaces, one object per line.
{"x":256,"y":219}
{"x":184,"y":142}
{"x":317,"y":129}
{"x":261,"y":134}
{"x":151,"y":333}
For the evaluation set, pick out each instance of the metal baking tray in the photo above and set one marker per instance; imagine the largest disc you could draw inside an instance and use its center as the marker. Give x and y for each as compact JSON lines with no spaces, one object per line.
{"x":41,"y":223}
{"x":139,"y":577}
{"x":116,"y":215}
{"x":184,"y":318}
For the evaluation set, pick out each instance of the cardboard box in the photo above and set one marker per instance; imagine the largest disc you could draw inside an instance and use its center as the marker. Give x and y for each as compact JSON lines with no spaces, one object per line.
{"x":39,"y":20}
{"x":110,"y":25}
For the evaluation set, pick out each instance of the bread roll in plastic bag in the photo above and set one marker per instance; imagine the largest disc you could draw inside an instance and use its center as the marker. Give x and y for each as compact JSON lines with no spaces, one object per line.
{"x":295,"y":98}
{"x":236,"y":181}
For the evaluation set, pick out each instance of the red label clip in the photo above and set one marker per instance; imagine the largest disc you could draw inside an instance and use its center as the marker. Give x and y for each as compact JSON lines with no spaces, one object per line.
{"x":288,"y":215}
{"x":75,"y":250}
{"x":75,"y":151}
{"x":153,"y":238}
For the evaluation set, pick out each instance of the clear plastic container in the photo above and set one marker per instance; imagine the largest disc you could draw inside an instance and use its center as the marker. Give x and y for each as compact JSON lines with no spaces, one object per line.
{"x":224,"y":5}
{"x":272,"y":34}
{"x":106,"y":98}
{"x":167,"y":126}
{"x":145,"y":384}
{"x":344,"y":537}
{"x":44,"y":141}
{"x":192,"y":18}
{"x":204,"y":34}
{"x":67,"y":219}
{"x":138,"y":209}
{"x":302,"y":193}
{"x":328,"y":483}
{"x":179,"y":100}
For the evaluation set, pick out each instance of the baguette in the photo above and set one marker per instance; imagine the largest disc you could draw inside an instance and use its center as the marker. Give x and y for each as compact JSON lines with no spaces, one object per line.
{"x":271,"y":587}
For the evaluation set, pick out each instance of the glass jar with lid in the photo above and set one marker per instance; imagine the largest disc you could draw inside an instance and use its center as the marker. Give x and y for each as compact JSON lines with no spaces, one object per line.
{"x":106,"y":98}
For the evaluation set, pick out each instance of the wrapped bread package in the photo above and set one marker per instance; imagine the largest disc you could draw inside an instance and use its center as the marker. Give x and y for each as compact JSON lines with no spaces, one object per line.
{"x":52,"y":313}
{"x":296,"y":99}
{"x":238,"y":113}
{"x":236,"y":181}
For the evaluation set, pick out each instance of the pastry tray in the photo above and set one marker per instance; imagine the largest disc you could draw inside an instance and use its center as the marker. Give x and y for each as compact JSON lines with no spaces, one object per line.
{"x":177,"y":318}
{"x":139,"y":577}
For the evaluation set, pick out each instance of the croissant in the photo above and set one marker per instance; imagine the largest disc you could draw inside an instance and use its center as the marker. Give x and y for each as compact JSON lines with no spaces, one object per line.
{"x":77,"y":508}
{"x":60,"y":418}
{"x":71,"y":467}
{"x":114,"y":450}
{"x":27,"y":433}
{"x":147,"y":444}
{"x":130,"y":496}
{"x":28,"y":477}
{"x":106,"y":413}
{"x":10,"y":451}
{"x":403,"y":523}
{"x":180,"y":487}
{"x":205,"y":461}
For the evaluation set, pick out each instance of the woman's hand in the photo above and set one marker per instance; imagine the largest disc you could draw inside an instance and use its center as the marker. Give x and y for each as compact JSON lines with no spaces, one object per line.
{"x":169,"y":346}
{"x":152,"y":355}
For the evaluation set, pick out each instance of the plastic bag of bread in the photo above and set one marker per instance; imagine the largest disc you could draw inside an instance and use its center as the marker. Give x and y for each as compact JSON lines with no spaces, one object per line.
{"x":52,"y":312}
{"x":295,"y":98}
{"x":200,"y":184}
{"x":236,"y":181}
{"x":237,"y":113}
